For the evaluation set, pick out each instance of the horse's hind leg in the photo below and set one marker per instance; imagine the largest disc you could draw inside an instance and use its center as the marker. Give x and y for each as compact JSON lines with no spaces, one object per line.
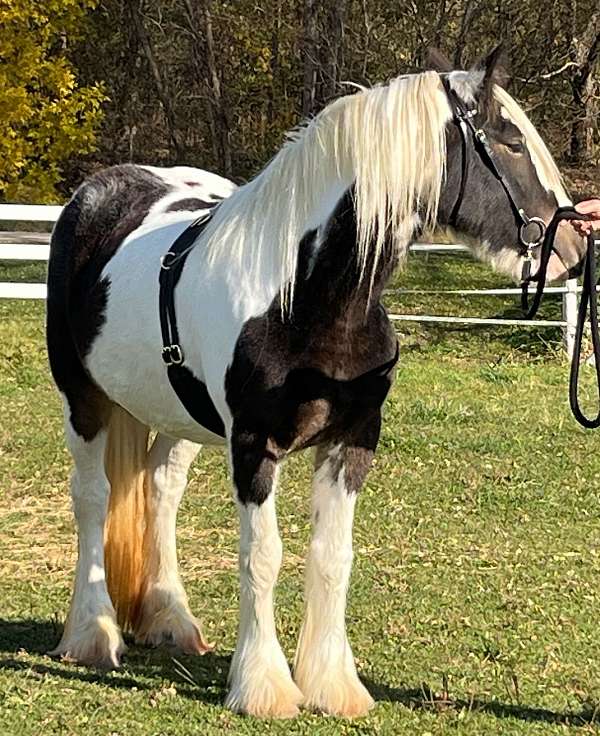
{"x":91,"y":635}
{"x":324,"y":666}
{"x":165,"y":615}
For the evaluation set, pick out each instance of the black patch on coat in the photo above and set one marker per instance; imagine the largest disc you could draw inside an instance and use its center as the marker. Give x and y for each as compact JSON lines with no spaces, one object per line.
{"x":190,"y":204}
{"x":313,"y":379}
{"x":103,"y":211}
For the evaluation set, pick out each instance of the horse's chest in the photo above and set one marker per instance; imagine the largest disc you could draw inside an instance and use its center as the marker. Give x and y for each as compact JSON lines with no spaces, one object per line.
{"x":308,"y":407}
{"x":297,"y":387}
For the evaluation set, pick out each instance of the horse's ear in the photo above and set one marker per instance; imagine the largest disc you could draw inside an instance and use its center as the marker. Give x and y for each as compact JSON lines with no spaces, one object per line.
{"x":495,"y":67}
{"x":437,"y":61}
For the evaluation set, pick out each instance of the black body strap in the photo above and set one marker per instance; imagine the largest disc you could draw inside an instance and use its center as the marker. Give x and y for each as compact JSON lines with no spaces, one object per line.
{"x":192,"y":393}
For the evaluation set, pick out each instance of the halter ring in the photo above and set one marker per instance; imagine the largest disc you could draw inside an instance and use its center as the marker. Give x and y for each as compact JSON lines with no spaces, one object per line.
{"x":541,"y":226}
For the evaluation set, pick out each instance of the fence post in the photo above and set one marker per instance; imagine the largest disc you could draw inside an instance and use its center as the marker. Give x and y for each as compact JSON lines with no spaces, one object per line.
{"x":569,"y":309}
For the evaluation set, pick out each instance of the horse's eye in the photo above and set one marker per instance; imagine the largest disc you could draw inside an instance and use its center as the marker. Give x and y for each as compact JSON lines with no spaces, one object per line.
{"x":516,"y":147}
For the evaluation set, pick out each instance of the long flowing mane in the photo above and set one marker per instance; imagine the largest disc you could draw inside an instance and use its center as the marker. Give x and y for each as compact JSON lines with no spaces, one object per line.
{"x":389,"y":142}
{"x":541,"y":157}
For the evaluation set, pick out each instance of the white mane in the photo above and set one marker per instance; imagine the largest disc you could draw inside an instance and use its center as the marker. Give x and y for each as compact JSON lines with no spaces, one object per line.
{"x":388,"y":141}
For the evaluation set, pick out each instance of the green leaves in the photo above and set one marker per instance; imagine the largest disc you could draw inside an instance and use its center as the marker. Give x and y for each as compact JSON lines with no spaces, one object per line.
{"x":45,"y":115}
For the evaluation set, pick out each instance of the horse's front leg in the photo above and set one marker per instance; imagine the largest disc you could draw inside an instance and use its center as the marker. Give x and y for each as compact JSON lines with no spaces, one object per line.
{"x":324,"y":666}
{"x":260,"y":682}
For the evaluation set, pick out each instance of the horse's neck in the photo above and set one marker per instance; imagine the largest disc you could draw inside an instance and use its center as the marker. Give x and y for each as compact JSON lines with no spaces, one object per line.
{"x":329,"y":284}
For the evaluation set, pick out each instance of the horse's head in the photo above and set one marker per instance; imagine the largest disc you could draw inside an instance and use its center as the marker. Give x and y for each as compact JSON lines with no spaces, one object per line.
{"x":482,"y":208}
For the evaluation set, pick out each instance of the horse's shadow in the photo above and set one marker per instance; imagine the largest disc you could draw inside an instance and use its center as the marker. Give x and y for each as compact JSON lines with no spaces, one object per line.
{"x":205,"y":678}
{"x":424,"y":698}
{"x":200,"y":678}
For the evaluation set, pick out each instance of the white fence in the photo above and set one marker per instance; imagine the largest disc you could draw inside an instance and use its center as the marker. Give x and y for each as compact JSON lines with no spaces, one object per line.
{"x":21,"y":246}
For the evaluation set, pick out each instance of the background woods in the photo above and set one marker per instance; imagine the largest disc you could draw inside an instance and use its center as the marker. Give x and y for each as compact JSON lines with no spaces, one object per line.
{"x":216,"y":84}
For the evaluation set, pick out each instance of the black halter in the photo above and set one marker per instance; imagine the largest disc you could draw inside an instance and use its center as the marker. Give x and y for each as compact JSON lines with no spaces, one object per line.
{"x":462,"y":117}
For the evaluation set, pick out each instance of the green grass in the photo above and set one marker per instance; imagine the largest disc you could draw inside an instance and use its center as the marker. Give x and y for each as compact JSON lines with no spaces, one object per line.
{"x":474,"y":601}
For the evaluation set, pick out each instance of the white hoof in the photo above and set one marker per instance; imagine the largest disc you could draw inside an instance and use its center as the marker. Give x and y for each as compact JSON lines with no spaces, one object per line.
{"x":337,"y":693}
{"x":166,"y":619}
{"x":264,"y":693}
{"x":96,"y":642}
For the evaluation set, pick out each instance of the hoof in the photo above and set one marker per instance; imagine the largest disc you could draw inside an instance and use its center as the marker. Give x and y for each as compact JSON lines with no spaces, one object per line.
{"x":96,"y":643}
{"x":272,"y":695}
{"x":166,"y":620}
{"x":337,"y":694}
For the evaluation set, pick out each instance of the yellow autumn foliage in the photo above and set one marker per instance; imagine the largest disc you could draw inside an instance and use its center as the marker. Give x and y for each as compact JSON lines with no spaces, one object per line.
{"x":46,"y":117}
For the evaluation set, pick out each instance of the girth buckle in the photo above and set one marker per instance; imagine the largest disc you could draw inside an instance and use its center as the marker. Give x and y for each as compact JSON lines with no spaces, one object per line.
{"x":168,"y":260}
{"x":172,"y":355}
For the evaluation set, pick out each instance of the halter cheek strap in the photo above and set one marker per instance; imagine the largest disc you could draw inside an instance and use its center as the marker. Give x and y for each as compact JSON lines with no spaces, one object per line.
{"x":463,"y":117}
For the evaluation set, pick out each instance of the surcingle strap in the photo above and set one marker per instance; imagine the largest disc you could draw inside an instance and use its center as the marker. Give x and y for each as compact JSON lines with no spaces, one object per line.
{"x":192,"y":392}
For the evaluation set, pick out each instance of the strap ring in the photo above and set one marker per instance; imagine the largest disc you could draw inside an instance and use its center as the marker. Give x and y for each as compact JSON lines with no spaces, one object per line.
{"x":541,"y":226}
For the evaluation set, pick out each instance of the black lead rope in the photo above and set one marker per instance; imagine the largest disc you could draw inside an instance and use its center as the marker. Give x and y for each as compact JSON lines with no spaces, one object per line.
{"x":589,"y":298}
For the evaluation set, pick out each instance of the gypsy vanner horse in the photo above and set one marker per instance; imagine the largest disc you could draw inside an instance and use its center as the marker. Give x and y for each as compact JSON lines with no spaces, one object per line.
{"x":283,"y":344}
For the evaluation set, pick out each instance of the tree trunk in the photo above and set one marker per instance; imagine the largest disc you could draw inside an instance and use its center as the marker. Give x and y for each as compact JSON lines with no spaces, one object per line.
{"x":585,"y":53}
{"x":274,"y":66}
{"x":162,"y":89}
{"x":199,"y":17}
{"x":309,"y":56}
{"x":465,"y":26}
{"x":332,"y":66}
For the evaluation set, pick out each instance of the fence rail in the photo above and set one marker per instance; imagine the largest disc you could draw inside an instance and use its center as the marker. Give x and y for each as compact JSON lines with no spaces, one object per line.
{"x":28,"y":246}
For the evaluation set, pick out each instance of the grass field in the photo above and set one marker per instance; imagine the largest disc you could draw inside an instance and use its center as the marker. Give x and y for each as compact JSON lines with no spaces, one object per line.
{"x":476,"y":586}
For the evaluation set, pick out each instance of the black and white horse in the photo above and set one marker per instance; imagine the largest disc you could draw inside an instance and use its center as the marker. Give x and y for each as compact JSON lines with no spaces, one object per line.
{"x":287,"y":345}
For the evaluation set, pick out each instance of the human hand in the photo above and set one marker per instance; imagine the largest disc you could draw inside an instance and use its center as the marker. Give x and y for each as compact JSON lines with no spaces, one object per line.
{"x":587,"y":207}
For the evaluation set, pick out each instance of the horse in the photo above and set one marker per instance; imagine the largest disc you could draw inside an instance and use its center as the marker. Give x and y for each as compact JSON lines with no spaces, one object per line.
{"x":282,"y":345}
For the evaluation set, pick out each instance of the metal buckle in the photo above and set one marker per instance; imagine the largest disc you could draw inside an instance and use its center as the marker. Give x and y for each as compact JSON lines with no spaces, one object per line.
{"x":167,"y":260}
{"x":172,"y":355}
{"x":540,"y":224}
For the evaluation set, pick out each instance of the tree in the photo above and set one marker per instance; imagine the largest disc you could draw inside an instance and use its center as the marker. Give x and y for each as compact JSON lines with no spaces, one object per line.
{"x":585,"y":49}
{"x":216,"y":84}
{"x":200,"y":23}
{"x":46,"y":116}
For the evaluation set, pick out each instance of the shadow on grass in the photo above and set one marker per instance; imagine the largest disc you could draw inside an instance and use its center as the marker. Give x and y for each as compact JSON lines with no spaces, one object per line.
{"x":204,"y":678}
{"x":199,"y":678}
{"x":424,"y":698}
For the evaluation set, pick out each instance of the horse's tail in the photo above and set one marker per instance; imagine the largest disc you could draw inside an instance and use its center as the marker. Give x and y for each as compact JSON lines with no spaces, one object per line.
{"x":126,"y":464}
{"x":102,"y":212}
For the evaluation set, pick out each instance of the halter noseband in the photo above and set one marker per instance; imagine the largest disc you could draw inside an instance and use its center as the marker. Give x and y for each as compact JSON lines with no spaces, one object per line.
{"x":462,"y":117}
